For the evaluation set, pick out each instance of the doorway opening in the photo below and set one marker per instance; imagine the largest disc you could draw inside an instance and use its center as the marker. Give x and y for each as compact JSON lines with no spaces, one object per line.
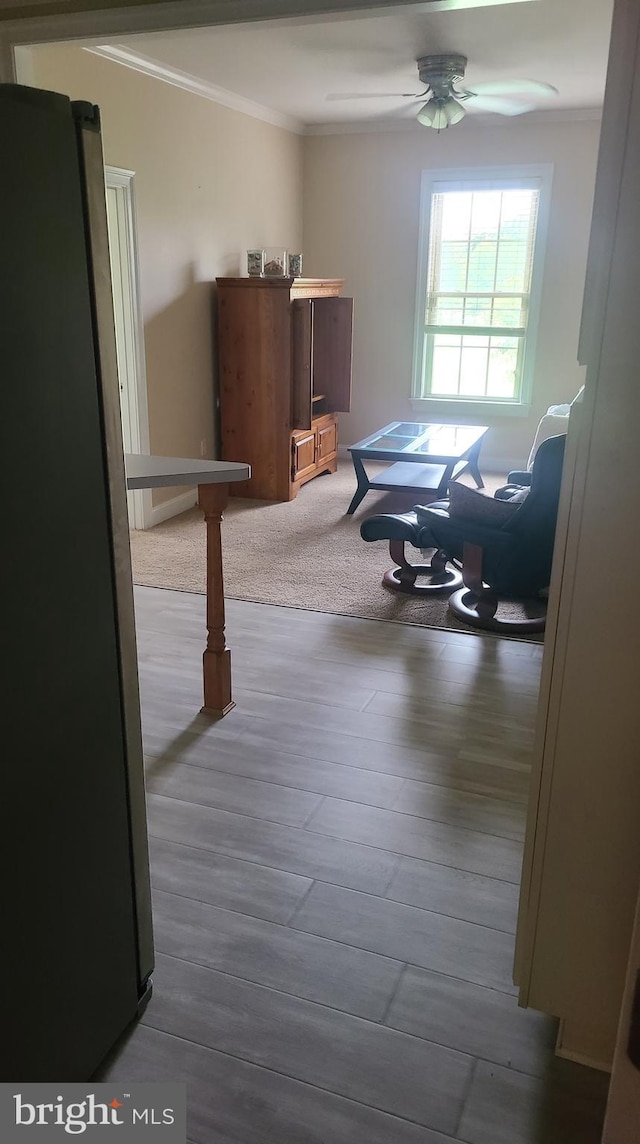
{"x":128,"y":327}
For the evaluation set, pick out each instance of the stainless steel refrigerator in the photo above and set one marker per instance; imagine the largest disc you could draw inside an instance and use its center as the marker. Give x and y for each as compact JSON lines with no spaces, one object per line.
{"x":75,"y":936}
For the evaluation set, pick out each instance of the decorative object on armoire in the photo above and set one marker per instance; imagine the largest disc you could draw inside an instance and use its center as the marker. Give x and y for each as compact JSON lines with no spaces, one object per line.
{"x":284,"y":356}
{"x":255,"y":263}
{"x":275,"y":262}
{"x":294,"y":266}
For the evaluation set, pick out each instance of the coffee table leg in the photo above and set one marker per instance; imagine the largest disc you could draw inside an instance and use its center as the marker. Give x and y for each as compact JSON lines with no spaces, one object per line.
{"x":473,"y":464}
{"x":446,"y":477}
{"x":363,"y":485}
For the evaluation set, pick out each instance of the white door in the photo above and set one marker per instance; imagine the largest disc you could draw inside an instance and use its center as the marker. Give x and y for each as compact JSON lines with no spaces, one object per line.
{"x":128,"y":328}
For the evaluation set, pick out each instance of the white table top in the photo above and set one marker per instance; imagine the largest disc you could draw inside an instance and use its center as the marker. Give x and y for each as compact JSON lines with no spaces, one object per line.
{"x":155,"y":472}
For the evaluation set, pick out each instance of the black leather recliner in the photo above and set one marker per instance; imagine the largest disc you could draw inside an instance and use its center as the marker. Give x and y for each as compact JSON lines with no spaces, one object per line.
{"x":517,"y":480}
{"x":511,"y":561}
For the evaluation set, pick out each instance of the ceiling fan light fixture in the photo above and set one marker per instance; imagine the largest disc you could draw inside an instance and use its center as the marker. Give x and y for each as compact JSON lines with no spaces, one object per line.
{"x":441,"y":113}
{"x":455,"y":111}
{"x":448,"y":100}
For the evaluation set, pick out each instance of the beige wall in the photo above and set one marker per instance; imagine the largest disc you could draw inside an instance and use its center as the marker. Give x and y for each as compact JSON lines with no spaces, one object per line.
{"x":209,"y":183}
{"x":201,"y":204}
{"x":361,"y":215}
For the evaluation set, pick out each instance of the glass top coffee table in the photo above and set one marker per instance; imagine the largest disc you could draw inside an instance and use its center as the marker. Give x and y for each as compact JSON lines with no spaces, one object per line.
{"x":423,"y":458}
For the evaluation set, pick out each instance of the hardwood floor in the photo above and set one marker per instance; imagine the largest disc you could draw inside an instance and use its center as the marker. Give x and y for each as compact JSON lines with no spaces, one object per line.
{"x":335,"y":871}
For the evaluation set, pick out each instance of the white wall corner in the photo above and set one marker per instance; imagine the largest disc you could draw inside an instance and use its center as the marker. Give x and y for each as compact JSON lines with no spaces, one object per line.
{"x":182,"y":503}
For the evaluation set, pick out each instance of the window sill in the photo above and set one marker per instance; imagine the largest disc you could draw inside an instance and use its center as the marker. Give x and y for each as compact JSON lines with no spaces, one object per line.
{"x":439,"y":406}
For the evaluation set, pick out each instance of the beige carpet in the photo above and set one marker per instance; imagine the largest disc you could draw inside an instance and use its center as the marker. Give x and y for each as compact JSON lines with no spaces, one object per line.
{"x":304,"y":554}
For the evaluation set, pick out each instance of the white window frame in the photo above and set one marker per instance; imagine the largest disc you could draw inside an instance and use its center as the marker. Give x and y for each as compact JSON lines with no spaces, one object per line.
{"x":480,"y":178}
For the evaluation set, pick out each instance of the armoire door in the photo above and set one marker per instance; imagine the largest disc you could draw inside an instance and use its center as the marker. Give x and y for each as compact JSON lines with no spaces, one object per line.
{"x":332,"y":351}
{"x":327,"y":439}
{"x":303,"y":455}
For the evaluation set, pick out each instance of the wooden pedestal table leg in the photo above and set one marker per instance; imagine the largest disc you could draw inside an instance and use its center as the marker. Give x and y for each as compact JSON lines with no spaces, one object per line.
{"x":216,"y":660}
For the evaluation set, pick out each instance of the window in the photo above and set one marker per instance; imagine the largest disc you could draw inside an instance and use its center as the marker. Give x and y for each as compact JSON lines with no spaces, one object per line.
{"x":476,"y":316}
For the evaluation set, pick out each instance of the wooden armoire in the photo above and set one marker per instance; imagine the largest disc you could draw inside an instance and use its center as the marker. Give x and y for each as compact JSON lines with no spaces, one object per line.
{"x":284,"y":368}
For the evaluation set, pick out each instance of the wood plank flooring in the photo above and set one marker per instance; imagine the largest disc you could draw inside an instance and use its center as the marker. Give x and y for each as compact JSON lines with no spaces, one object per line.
{"x":335,"y":869}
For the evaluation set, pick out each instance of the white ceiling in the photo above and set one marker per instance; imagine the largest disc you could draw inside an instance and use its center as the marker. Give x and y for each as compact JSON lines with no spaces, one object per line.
{"x":290,"y":66}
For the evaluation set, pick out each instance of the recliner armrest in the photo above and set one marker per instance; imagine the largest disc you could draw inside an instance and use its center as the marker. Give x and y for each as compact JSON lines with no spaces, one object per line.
{"x":519,"y":477}
{"x":422,"y":510}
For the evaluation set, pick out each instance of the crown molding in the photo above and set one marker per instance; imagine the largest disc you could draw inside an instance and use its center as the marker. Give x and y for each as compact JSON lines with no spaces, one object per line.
{"x":146,"y":66}
{"x":471,"y":122}
{"x":136,"y":61}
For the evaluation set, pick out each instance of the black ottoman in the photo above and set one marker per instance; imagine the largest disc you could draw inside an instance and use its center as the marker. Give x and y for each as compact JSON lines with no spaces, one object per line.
{"x":400,"y":528}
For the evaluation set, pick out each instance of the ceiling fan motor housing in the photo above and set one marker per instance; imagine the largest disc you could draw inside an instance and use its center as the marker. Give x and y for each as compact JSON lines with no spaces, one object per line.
{"x":441,"y":72}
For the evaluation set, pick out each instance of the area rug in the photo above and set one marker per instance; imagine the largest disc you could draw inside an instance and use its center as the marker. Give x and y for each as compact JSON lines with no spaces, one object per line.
{"x":303,"y":554}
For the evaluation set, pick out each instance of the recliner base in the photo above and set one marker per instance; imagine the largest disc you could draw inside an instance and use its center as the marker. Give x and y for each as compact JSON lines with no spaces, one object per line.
{"x":467,"y":606}
{"x":403,"y":578}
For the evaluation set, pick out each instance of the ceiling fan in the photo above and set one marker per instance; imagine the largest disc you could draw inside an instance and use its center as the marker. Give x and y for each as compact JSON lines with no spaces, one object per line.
{"x":445,"y":100}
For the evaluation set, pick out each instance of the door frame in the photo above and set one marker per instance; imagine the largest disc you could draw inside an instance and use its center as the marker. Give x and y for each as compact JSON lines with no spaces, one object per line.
{"x":137,"y":412}
{"x":160,"y":16}
{"x":623,"y":1106}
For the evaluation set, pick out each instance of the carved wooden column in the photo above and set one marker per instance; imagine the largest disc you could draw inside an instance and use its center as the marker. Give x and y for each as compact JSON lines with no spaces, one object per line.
{"x":216,"y":660}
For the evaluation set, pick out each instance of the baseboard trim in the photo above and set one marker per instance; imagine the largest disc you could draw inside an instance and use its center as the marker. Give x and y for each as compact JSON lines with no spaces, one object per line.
{"x":582,"y":1059}
{"x":182,"y":503}
{"x":588,"y":1048}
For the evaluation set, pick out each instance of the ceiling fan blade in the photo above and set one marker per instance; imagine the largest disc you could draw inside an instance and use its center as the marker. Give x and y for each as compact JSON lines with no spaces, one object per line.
{"x":500,"y":104}
{"x":372,"y":95}
{"x":531,"y":87}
